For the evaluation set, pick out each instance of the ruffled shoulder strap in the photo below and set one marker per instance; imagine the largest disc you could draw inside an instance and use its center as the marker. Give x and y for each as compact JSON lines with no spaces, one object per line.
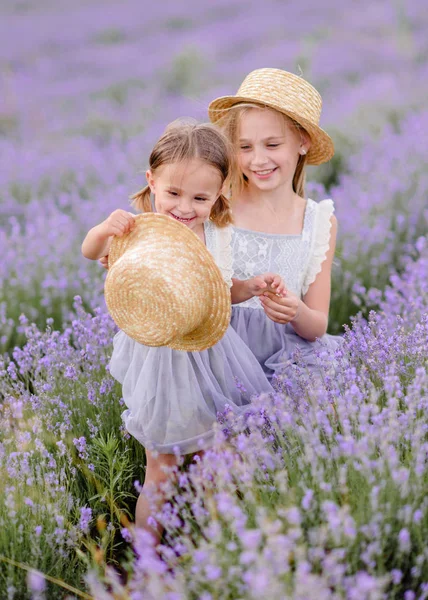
{"x":320,"y":242}
{"x":224,"y":249}
{"x":219,"y":243}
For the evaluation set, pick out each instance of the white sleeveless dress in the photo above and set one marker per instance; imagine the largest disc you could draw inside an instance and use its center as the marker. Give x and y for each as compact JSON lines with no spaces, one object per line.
{"x":298,"y":259}
{"x":173,"y":397}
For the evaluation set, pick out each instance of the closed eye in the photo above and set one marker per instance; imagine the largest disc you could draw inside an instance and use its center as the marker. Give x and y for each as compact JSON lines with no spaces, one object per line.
{"x":244,"y":147}
{"x":171,"y":193}
{"x":200,"y":198}
{"x":273,"y":145}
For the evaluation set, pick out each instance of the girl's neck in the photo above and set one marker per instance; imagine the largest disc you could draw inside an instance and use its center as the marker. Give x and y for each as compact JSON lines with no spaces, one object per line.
{"x":200,"y":232}
{"x":279,"y":200}
{"x":276,"y":211}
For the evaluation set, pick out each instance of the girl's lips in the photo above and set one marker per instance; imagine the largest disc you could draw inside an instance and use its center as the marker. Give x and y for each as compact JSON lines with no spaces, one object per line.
{"x":265,"y":173}
{"x":181,"y":219}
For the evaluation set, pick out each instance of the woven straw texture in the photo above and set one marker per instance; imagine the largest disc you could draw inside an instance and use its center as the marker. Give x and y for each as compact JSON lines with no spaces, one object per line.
{"x":289,"y":94}
{"x":163,"y":287}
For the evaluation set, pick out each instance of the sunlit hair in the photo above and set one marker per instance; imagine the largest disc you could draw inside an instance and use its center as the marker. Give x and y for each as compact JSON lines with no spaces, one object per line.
{"x":229,"y":124}
{"x":184,"y":141}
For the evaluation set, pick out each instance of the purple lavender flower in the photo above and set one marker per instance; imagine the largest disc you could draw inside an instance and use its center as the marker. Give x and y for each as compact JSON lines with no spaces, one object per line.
{"x":36,"y":582}
{"x":85,"y":518}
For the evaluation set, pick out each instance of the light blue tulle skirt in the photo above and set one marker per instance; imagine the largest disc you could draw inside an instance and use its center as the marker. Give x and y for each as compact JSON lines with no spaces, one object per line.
{"x":277,"y":346}
{"x":173,"y":397}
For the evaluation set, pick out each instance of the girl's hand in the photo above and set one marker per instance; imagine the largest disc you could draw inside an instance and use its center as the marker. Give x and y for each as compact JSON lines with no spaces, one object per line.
{"x":104,"y":261}
{"x":275,"y":284}
{"x":268,"y":282}
{"x":281,"y":309}
{"x":119,"y":223}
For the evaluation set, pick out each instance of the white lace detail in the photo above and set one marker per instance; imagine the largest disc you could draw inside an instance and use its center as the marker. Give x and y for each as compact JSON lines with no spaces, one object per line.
{"x":320,"y":242}
{"x":218,"y":241}
{"x":255,"y":253}
{"x":224,"y":253}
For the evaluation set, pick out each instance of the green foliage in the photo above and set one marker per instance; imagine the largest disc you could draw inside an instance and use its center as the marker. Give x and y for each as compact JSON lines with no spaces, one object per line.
{"x":188,"y":73}
{"x":110,"y":37}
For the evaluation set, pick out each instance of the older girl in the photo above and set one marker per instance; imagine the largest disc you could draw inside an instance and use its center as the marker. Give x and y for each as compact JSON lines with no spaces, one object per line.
{"x":272,"y":123}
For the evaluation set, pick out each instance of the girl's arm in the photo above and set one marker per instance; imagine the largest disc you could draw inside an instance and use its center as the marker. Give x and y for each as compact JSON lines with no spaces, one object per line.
{"x":308,"y":317}
{"x":97,"y":241}
{"x":244,"y":289}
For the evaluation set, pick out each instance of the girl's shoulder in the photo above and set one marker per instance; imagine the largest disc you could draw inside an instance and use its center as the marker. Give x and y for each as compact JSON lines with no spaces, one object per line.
{"x":217,"y":236}
{"x":211,"y":225}
{"x":318,"y":239}
{"x":319,"y":218}
{"x":325,"y":206}
{"x":327,"y":209}
{"x":319,"y":214}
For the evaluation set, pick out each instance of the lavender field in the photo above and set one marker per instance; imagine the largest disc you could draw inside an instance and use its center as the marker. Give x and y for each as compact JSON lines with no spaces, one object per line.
{"x":319,"y":492}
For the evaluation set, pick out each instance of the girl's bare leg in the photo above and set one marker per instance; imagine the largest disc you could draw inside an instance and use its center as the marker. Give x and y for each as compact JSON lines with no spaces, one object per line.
{"x":150,"y":500}
{"x":157,"y":472}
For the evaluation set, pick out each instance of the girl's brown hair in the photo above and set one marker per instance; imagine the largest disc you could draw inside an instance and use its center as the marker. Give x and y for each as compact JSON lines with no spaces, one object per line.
{"x":229,"y":124}
{"x":184,"y":141}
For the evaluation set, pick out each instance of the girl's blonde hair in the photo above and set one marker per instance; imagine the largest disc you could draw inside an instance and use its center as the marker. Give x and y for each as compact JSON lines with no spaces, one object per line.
{"x":184,"y":141}
{"x":229,"y":124}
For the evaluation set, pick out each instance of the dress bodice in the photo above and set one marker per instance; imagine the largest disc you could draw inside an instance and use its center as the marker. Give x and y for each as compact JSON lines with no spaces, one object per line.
{"x":297,"y":258}
{"x":218,"y":241}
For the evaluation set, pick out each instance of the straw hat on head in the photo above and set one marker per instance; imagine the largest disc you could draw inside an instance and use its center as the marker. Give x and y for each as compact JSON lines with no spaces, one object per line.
{"x":289,"y":94}
{"x":163,"y":287}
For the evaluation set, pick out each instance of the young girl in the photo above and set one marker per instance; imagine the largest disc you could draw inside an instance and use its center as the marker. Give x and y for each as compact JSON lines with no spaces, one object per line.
{"x":272,"y":123}
{"x":173,"y":396}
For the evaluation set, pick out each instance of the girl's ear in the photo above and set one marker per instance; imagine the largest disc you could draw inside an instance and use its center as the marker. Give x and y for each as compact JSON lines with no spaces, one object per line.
{"x":305,"y":142}
{"x":150,"y":180}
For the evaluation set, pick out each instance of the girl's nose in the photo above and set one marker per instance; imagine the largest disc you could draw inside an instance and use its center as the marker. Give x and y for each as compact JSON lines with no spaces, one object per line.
{"x":259,"y":157}
{"x":185,"y":205}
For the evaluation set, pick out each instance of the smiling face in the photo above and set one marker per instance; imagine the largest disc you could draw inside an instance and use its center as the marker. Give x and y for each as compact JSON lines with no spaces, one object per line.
{"x":186,"y":191}
{"x":268,"y":148}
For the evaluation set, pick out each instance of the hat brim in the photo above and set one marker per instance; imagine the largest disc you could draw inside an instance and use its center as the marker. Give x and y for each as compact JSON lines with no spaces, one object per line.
{"x":155,"y":226}
{"x":322,"y":147}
